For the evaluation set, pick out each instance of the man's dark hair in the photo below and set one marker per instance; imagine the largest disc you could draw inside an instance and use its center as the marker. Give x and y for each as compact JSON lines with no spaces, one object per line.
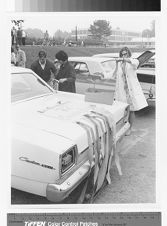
{"x":61,"y":55}
{"x":42,"y":53}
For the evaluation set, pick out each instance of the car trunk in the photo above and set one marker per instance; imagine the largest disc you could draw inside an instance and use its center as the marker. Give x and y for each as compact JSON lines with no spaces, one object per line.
{"x":145,"y":57}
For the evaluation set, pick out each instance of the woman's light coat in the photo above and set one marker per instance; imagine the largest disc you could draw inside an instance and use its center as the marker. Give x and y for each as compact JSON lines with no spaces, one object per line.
{"x":137,"y":97}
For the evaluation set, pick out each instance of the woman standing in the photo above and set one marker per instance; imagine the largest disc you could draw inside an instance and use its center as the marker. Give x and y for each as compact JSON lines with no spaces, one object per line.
{"x":128,"y":88}
{"x":66,"y":74}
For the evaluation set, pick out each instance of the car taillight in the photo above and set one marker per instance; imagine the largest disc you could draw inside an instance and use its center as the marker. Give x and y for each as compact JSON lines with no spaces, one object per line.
{"x":68,"y":159}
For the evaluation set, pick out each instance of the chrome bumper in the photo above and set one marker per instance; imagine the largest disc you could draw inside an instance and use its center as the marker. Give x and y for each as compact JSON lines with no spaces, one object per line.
{"x":57,"y":193}
{"x":151,"y":99}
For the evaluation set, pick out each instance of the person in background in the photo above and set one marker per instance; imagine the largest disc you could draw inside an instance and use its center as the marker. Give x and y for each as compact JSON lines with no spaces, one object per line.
{"x":46,"y":38}
{"x":23,"y":37}
{"x":44,"y":68}
{"x":13,"y":35}
{"x":20,"y":57}
{"x":19,"y":36}
{"x":13,"y":57}
{"x":128,"y":88}
{"x":66,"y":75}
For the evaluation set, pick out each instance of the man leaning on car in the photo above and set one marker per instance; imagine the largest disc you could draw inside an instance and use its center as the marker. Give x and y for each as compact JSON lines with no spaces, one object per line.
{"x":43,"y":67}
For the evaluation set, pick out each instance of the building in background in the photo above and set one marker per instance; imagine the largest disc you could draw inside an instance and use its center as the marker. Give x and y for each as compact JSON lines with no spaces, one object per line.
{"x":117,"y":38}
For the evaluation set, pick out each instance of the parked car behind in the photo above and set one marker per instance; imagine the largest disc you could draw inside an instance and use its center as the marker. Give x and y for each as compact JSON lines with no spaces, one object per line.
{"x":91,"y":70}
{"x":88,"y":66}
{"x":145,"y":72}
{"x":52,"y":151}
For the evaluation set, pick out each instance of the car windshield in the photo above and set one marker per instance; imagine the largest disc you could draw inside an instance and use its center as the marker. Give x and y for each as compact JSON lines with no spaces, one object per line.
{"x":27,"y":85}
{"x":109,"y":67}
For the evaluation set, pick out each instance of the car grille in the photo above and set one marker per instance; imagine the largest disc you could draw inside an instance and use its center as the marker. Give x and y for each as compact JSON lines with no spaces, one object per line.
{"x":68,"y":160}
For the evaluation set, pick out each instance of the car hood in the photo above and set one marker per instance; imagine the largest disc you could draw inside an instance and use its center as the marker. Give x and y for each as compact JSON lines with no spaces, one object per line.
{"x":57,"y":114}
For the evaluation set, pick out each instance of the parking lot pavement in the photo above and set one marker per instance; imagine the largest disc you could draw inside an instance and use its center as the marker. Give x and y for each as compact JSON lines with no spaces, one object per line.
{"x":137,"y":155}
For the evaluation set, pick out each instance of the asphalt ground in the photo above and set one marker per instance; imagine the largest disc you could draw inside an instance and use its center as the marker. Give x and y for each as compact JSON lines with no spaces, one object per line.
{"x":138,"y":162}
{"x":137,"y":155}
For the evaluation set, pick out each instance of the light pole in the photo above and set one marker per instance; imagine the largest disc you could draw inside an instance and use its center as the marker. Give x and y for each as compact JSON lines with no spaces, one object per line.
{"x":76,"y":34}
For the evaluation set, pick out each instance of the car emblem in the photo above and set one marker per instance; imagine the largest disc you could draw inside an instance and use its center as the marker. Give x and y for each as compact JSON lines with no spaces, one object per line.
{"x":25,"y":159}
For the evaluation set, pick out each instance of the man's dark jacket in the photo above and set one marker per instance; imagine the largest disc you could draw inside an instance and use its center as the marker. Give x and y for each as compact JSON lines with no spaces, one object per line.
{"x":67,"y":71}
{"x":46,"y":73}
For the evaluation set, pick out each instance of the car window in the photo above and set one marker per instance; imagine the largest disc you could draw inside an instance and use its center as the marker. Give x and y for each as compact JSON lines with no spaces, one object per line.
{"x":81,"y":69}
{"x":27,"y":85}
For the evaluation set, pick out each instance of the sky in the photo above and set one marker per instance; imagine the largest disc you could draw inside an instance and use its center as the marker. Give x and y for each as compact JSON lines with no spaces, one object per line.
{"x":68,"y":21}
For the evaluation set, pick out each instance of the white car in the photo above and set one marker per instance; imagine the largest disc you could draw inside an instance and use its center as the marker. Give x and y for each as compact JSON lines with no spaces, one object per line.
{"x":145,"y":72}
{"x":86,"y":66}
{"x":50,"y":148}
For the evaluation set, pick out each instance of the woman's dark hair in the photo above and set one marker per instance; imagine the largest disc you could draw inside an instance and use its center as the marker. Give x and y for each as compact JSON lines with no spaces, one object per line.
{"x":125,"y":49}
{"x":42,"y":53}
{"x":61,"y":55}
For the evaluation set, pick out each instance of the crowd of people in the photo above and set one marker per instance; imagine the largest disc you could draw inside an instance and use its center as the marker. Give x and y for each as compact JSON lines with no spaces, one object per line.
{"x":18,"y":36}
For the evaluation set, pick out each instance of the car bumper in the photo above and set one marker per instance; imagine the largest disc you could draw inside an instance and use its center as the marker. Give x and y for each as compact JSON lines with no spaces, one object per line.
{"x":57,"y":193}
{"x":151,"y":102}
